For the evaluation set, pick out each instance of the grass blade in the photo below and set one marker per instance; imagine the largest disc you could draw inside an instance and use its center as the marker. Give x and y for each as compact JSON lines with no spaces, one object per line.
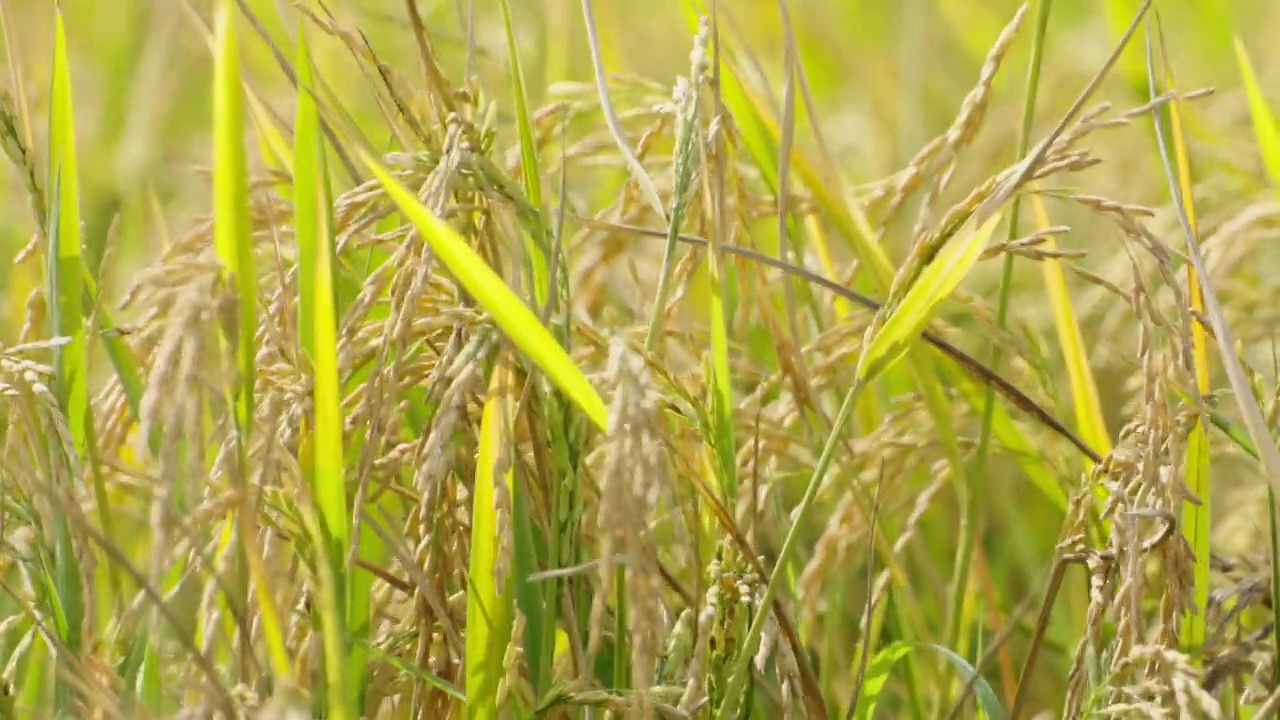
{"x":1264,"y":122}
{"x":1090,"y":423}
{"x":64,"y":289}
{"x":1240,"y":389}
{"x":542,"y":290}
{"x":1195,"y":519}
{"x":490,"y":600}
{"x":64,"y":294}
{"x":939,"y":278}
{"x":1006,"y":278}
{"x":232,"y":236}
{"x":316,"y":302}
{"x":532,"y":596}
{"x":723,"y":443}
{"x":891,"y":342}
{"x":515,"y":319}
{"x":888,"y":656}
{"x":317,"y":327}
{"x":233,"y":244}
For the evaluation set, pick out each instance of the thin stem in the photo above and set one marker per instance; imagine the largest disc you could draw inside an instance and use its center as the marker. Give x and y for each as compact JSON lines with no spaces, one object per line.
{"x":1006,"y":277}
{"x":639,"y":174}
{"x":742,"y":662}
{"x":971,"y":525}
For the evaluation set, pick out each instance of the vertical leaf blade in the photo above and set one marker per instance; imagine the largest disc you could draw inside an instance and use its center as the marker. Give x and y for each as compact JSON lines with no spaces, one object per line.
{"x":1090,"y":422}
{"x":65,"y":290}
{"x":491,"y":293}
{"x":233,"y":244}
{"x":318,"y":323}
{"x":489,"y":604}
{"x":528,"y":164}
{"x":65,"y":295}
{"x":318,"y":332}
{"x":231,"y":232}
{"x":1195,"y":516}
{"x":1264,"y":122}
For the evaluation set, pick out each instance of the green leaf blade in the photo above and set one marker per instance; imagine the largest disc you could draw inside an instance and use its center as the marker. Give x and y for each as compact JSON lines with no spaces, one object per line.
{"x":65,"y":294}
{"x":887,"y":657}
{"x":528,"y":163}
{"x":318,"y":333}
{"x":1264,"y":122}
{"x":65,"y":290}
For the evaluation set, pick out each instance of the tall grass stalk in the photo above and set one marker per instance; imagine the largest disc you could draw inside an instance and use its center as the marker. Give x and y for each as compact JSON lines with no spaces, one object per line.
{"x":233,"y":242}
{"x":63,"y":573}
{"x":1196,"y":517}
{"x":891,"y":337}
{"x":1039,"y":36}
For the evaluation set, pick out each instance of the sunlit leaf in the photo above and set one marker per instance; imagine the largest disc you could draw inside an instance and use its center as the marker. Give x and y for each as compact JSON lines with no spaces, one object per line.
{"x":233,"y":244}
{"x":490,"y":599}
{"x":492,"y":294}
{"x":528,"y":163}
{"x":1090,"y":422}
{"x":936,"y":282}
{"x":65,"y":295}
{"x":318,"y":328}
{"x":1264,"y":122}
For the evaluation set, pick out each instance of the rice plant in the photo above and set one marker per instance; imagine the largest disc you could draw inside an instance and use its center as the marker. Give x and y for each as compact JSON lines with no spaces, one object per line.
{"x":594,"y":359}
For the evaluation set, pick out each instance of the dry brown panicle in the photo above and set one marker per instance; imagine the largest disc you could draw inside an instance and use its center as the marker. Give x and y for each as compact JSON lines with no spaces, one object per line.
{"x":632,"y":479}
{"x":1139,"y":667}
{"x":1156,"y":681}
{"x":888,"y":448}
{"x":1239,"y":645}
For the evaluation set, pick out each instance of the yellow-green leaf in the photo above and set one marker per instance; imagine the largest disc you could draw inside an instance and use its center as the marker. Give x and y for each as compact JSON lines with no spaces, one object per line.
{"x":233,"y":244}
{"x":515,"y":319}
{"x":936,"y":282}
{"x":1196,"y":518}
{"x":231,"y":231}
{"x":318,"y":330}
{"x":65,"y":295}
{"x":65,"y":289}
{"x":1264,"y":123}
{"x":1084,"y":390}
{"x":490,"y":598}
{"x":528,"y":163}
{"x":316,"y":302}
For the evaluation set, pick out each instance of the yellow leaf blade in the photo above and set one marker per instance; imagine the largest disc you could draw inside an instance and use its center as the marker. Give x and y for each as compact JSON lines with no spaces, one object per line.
{"x":511,"y":315}
{"x":1084,"y":390}
{"x":936,"y":282}
{"x":490,"y":600}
